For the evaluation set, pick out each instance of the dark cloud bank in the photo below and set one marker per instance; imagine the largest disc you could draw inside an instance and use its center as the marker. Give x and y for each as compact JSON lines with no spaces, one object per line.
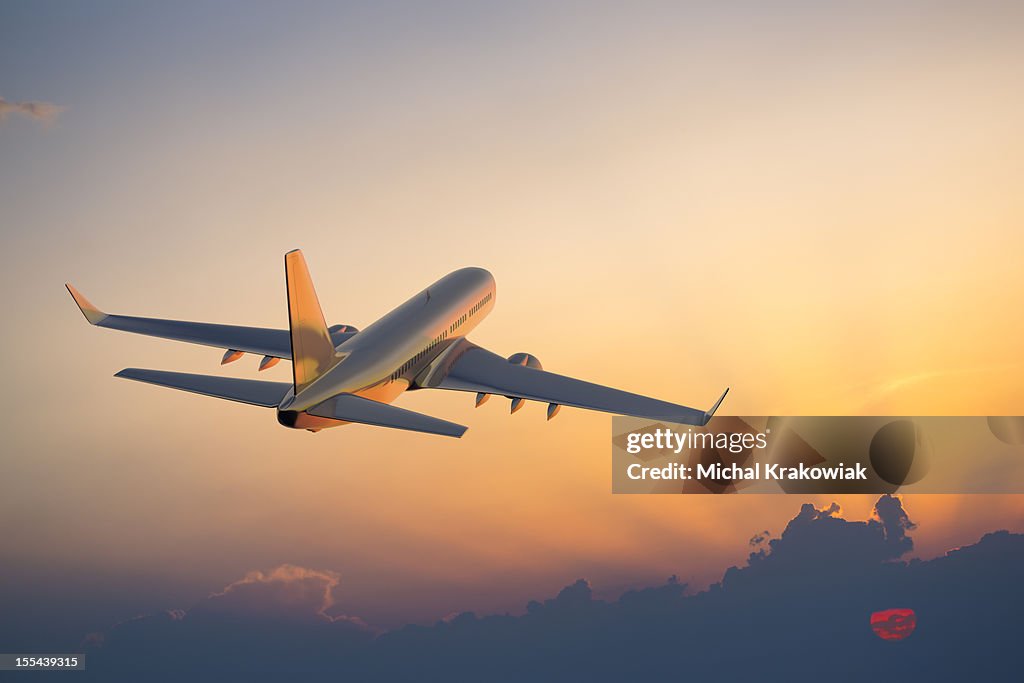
{"x":798,"y":610}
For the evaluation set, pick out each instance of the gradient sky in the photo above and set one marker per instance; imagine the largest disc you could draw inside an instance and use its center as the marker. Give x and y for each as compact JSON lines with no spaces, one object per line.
{"x":818,"y":206}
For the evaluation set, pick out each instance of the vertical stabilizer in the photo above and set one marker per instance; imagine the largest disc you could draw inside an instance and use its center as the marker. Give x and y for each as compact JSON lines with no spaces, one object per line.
{"x":312,"y":349}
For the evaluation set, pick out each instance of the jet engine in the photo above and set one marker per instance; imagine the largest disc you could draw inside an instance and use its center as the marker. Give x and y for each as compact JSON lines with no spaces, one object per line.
{"x":525,"y":359}
{"x":529,"y":361}
{"x":340,"y":333}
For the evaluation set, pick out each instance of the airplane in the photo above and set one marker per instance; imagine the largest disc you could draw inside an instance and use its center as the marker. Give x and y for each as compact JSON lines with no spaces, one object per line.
{"x":343,"y":375}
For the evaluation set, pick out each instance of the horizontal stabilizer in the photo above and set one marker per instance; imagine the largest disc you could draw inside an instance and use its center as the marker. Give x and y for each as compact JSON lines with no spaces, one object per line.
{"x":352,"y":408}
{"x":253,"y":391}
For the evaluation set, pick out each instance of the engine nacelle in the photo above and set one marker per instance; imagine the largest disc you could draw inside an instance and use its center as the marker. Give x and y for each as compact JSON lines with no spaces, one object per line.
{"x":230,"y":356}
{"x":525,"y":359}
{"x":340,"y":333}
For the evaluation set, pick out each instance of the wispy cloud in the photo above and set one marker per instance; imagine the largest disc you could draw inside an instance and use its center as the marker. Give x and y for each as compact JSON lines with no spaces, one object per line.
{"x":40,"y":111}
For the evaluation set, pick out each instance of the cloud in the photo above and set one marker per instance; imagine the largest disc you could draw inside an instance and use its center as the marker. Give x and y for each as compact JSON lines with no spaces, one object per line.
{"x":40,"y":111}
{"x":285,"y":592}
{"x":266,"y":623}
{"x":801,"y":604}
{"x":895,"y":523}
{"x":820,"y":538}
{"x":759,"y":539}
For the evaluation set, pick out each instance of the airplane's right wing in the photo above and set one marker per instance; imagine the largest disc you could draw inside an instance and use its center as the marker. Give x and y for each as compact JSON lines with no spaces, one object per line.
{"x":256,"y":340}
{"x":468,"y":367}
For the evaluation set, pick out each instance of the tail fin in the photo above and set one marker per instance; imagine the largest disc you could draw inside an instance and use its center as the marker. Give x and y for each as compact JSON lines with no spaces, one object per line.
{"x":312,"y":349}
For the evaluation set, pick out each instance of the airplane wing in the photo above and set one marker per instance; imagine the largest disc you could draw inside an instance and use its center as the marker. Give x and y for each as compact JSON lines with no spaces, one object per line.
{"x":468,"y":367}
{"x":256,"y":340}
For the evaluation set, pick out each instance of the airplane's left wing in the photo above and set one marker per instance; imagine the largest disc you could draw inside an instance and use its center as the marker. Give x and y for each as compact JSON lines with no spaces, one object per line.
{"x":237,"y":339}
{"x":468,"y":367}
{"x":258,"y":340}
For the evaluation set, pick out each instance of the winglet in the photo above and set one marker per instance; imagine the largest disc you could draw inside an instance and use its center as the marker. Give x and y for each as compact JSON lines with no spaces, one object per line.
{"x":91,"y":313}
{"x":710,"y":413}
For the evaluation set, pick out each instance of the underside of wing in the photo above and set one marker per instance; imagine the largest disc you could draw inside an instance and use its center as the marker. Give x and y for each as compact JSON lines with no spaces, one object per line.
{"x":256,"y":340}
{"x":252,"y":391}
{"x":352,"y":408}
{"x":468,"y":367}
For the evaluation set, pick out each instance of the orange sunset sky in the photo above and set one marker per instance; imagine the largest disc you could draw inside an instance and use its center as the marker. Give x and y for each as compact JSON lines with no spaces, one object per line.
{"x":817,"y":206}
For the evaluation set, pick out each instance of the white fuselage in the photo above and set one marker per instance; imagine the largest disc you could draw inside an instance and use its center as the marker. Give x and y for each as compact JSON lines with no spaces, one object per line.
{"x":385,"y":358}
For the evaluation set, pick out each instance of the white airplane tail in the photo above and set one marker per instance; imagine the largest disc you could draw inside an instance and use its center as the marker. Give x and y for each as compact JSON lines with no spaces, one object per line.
{"x":312,"y":349}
